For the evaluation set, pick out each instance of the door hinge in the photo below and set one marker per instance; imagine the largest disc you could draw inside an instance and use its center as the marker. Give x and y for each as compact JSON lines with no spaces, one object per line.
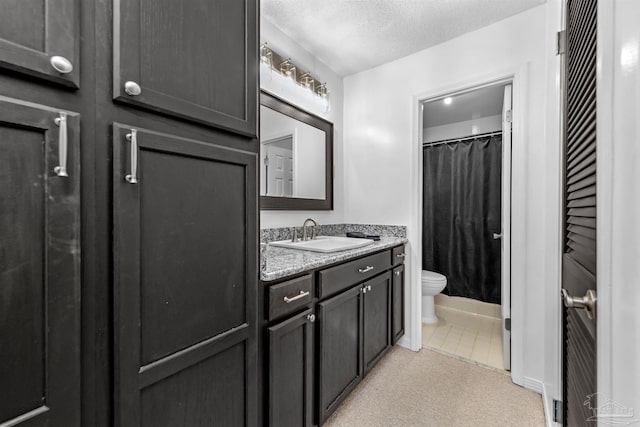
{"x":561,"y":42}
{"x":507,"y":324}
{"x":557,"y":411}
{"x":508,"y":116}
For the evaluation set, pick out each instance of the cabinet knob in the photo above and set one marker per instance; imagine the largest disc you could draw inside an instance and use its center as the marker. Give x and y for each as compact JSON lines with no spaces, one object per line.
{"x":311,"y":317}
{"x":397,"y":273}
{"x":132,"y":88}
{"x":61,"y":64}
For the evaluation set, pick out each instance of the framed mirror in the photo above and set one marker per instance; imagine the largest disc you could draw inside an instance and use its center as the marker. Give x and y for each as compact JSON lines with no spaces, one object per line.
{"x":296,"y":157}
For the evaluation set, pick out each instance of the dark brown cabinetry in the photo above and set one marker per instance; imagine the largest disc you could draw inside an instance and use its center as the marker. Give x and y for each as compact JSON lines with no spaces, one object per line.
{"x":291,"y":371}
{"x":397,"y":304}
{"x":191,"y":59}
{"x":39,"y":265}
{"x":155,"y":235}
{"x":376,"y":321}
{"x":340,"y":349}
{"x":41,"y":38}
{"x":184,"y":285}
{"x":357,"y":304}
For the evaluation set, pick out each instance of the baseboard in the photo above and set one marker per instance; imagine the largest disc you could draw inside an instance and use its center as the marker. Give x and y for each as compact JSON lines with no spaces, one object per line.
{"x":532,"y":384}
{"x":404,"y":342}
{"x":547,"y":404}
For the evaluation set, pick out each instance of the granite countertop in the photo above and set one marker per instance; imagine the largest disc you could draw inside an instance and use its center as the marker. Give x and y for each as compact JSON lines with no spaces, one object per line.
{"x":278,"y":263}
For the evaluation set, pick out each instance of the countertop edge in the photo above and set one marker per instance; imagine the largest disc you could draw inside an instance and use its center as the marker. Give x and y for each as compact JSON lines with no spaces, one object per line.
{"x":318,"y":260}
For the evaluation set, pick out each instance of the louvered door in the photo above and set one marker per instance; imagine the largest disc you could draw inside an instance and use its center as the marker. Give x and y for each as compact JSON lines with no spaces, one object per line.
{"x":579,"y":257}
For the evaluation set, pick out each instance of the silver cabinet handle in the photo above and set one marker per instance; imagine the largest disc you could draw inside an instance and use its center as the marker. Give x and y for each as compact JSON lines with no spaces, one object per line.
{"x":132,"y":88}
{"x":61,"y":64}
{"x":402,"y":255}
{"x":363,"y":290}
{"x":369,"y":288}
{"x":132,"y":137}
{"x":367,"y":269}
{"x":497,"y":236}
{"x":311,"y":317}
{"x":587,"y":302}
{"x":302,"y":294}
{"x":61,"y":121}
{"x":397,"y":273}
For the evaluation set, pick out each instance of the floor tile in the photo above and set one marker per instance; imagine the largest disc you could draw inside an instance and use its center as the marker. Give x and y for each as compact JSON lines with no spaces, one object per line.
{"x":467,"y":335}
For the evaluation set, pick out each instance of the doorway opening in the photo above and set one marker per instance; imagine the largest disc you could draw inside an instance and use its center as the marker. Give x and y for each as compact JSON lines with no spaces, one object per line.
{"x":466,"y":217}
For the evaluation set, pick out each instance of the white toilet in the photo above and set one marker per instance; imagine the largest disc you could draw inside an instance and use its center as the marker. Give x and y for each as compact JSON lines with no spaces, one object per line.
{"x":432,"y":284}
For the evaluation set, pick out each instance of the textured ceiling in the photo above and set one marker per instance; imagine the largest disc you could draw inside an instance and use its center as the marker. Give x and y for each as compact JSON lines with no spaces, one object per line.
{"x":479,"y":103}
{"x":354,"y":35}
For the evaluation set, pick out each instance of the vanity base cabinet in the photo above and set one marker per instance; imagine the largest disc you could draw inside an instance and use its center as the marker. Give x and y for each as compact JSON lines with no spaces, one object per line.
{"x":397,"y":304}
{"x":291,"y":371}
{"x":311,"y":367}
{"x":376,"y":321}
{"x":340,"y":349}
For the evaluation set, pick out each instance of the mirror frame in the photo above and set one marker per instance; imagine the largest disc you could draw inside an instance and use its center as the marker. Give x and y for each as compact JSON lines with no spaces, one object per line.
{"x":294,"y":203}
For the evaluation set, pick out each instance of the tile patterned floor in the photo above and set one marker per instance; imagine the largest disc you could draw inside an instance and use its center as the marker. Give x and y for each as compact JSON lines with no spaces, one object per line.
{"x":466,"y":335}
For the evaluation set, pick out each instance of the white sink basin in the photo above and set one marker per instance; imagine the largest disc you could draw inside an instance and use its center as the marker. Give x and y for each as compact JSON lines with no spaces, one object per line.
{"x":324,"y":244}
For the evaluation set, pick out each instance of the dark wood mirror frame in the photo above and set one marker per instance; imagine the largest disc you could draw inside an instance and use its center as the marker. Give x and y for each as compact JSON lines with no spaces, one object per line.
{"x":291,"y":203}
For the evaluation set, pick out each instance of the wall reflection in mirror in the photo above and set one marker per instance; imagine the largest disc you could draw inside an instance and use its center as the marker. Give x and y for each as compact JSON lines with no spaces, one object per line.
{"x":296,"y":156}
{"x":292,"y":155}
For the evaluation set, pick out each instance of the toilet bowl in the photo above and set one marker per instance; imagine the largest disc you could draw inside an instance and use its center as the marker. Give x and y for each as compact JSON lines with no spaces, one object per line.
{"x":432,"y":284}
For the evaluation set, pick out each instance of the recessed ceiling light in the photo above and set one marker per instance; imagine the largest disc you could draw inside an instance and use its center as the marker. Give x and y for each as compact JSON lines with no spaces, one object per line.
{"x":447,"y":100}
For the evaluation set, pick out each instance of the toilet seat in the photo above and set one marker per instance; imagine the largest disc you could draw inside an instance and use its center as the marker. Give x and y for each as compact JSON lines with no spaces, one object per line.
{"x":431,"y":277}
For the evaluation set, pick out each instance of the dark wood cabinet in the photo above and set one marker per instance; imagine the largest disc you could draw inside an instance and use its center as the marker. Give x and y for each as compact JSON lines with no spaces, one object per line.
{"x":397,"y":304}
{"x":184,"y":245}
{"x":376,"y":320}
{"x":39,"y":265}
{"x":167,"y":331}
{"x":36,"y":36}
{"x":354,"y":330}
{"x":291,"y":371}
{"x":340,"y":348}
{"x":196,"y":60}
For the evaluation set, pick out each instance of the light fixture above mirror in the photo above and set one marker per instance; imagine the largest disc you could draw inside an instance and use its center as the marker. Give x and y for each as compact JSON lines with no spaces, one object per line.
{"x":273,"y":61}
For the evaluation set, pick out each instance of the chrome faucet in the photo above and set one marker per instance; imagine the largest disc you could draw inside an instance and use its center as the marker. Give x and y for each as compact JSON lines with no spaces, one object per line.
{"x":304,"y":229}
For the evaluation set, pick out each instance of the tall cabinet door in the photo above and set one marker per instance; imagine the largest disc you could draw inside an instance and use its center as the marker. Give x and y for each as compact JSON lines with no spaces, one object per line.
{"x":41,"y":38}
{"x":39,"y":266}
{"x":185,"y":284}
{"x":193,"y":59}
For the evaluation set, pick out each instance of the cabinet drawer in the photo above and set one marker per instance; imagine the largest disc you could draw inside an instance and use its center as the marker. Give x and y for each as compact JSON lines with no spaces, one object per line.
{"x":288,"y":296}
{"x":340,"y":277}
{"x":397,"y":255}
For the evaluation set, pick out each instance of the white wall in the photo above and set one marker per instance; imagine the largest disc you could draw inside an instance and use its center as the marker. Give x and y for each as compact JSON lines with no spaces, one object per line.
{"x":618,"y":136}
{"x":462,"y":129}
{"x":280,"y":87}
{"x":380,"y":124}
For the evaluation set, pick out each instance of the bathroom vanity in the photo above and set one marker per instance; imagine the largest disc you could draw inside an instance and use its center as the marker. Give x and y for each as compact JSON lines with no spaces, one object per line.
{"x":327,"y":319}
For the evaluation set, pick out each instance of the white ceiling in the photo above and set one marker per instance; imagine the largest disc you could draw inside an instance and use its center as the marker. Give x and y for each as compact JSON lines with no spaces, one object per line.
{"x":473,"y":105}
{"x":354,"y":35}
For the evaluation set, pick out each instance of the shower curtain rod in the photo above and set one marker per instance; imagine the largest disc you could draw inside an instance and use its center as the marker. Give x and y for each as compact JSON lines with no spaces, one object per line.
{"x":449,"y":141}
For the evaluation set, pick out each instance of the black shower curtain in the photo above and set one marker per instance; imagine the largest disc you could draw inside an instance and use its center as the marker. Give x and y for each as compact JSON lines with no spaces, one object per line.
{"x":461,"y":206}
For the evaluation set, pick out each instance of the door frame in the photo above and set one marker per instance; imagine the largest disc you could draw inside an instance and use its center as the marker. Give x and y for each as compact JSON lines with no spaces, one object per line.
{"x":514,"y":227}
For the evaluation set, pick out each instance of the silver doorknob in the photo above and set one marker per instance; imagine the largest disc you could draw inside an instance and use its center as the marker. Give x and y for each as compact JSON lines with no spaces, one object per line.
{"x":61,"y":64}
{"x":132,"y":88}
{"x":311,"y":318}
{"x":587,"y":302}
{"x":497,"y":236}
